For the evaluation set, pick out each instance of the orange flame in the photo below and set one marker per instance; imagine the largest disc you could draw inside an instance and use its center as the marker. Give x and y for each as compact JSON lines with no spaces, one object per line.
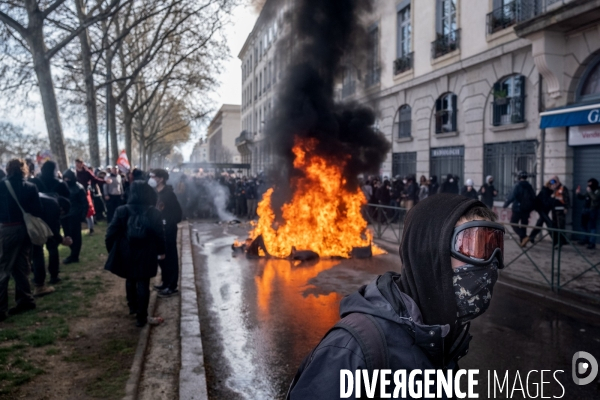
{"x":323,"y":215}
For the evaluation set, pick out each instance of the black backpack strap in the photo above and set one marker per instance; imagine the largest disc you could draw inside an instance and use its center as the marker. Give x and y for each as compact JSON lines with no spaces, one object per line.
{"x":369,"y":335}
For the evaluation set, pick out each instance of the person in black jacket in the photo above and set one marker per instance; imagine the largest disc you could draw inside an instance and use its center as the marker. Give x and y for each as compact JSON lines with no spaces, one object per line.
{"x":136,"y":258}
{"x":469,"y":190}
{"x":522,"y":199}
{"x":171,"y":215}
{"x":54,"y":207}
{"x":15,"y":244}
{"x":488,"y":192}
{"x":543,"y":206}
{"x":434,"y":186}
{"x":450,"y":185}
{"x":72,"y":221}
{"x":420,"y":318}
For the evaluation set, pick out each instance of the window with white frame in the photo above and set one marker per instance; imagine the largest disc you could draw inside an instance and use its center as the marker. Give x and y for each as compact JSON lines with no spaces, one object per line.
{"x":445,"y":113}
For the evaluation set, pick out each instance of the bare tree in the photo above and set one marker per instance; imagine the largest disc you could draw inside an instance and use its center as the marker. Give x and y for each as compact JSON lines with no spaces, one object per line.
{"x":14,"y":142}
{"x":37,"y":26}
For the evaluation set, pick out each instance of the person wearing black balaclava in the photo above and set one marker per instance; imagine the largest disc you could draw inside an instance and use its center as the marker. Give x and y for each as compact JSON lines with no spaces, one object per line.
{"x":450,"y":185}
{"x":72,"y":221}
{"x":451,"y":251}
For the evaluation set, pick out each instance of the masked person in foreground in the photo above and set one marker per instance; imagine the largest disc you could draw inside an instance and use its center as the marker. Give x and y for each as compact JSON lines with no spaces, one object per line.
{"x":451,"y":251}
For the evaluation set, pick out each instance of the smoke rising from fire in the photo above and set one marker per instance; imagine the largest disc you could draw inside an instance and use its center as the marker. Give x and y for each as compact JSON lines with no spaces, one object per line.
{"x":326,"y":37}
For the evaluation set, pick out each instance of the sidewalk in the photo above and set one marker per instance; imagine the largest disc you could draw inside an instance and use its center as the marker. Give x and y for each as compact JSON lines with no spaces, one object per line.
{"x":521,"y":269}
{"x":170,"y":363}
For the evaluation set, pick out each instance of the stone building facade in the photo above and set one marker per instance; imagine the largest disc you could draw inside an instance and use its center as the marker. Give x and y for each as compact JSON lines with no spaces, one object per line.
{"x":221,"y":135}
{"x":467,"y":87}
{"x":461,"y":87}
{"x":262,"y":63}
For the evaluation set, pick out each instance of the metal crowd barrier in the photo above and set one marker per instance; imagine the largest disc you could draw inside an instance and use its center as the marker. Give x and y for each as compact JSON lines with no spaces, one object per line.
{"x":387,"y":223}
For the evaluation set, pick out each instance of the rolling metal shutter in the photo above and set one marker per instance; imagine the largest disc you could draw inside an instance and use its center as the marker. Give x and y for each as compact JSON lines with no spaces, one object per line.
{"x":586,"y":165}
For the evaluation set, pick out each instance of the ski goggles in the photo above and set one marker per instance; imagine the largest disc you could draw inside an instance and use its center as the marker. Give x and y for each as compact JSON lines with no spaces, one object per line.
{"x":478,"y":243}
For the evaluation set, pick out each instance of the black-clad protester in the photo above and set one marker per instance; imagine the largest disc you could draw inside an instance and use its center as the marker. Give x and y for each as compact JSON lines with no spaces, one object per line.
{"x":411,"y":192}
{"x":592,"y":206}
{"x":49,"y":178}
{"x":488,"y":192}
{"x":450,"y":185}
{"x":135,"y":242}
{"x":543,"y":206}
{"x":434,"y":186}
{"x":451,"y":251}
{"x":171,"y":215}
{"x":15,"y":244}
{"x":469,"y":190}
{"x":522,"y":199}
{"x":71,"y":222}
{"x":562,"y":203}
{"x":53,"y":208}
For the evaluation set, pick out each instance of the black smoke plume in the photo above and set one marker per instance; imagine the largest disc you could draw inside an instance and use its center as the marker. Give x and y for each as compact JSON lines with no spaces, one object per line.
{"x":326,"y":36}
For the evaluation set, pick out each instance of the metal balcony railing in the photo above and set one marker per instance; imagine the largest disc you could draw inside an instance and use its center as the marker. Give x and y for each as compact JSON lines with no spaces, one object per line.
{"x":403,"y":64}
{"x":527,"y":9}
{"x":445,"y":44}
{"x":502,"y":17}
{"x":508,"y":110}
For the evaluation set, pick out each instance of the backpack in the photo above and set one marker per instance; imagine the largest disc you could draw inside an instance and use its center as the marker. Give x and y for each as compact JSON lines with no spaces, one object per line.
{"x":39,"y":232}
{"x":367,"y":332}
{"x":527,"y":201}
{"x":138,"y":225}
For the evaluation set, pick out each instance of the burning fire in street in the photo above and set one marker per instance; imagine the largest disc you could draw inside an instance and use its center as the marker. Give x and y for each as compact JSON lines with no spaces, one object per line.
{"x":323,"y":216}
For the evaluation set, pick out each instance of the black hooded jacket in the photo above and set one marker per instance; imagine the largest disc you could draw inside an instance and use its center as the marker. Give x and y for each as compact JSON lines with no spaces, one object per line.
{"x":135,"y":258}
{"x":416,"y":310}
{"x":77,"y":196}
{"x":449,"y":187}
{"x":170,"y":211}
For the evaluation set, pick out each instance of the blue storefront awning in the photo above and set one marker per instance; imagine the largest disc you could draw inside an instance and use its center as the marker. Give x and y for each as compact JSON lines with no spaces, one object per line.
{"x":576,"y":115}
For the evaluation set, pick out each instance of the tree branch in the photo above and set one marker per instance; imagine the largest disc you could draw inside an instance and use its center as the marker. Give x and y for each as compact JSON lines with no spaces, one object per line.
{"x":14,"y":24}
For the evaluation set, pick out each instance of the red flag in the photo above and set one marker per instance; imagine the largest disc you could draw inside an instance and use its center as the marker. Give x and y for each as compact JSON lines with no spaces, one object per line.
{"x":123,"y":162}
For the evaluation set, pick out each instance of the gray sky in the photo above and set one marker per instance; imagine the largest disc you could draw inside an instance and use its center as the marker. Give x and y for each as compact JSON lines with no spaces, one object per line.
{"x":229,"y":92}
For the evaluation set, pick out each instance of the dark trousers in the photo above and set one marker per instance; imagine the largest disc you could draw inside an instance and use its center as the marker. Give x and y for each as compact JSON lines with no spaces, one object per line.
{"x":37,"y":258}
{"x":240,"y":206}
{"x":543,"y":219}
{"x":72,"y":227}
{"x":15,"y":247}
{"x":522,"y":219}
{"x":138,"y":297}
{"x":558,"y":222}
{"x":593,"y":224}
{"x":111,"y":206}
{"x":170,"y":265}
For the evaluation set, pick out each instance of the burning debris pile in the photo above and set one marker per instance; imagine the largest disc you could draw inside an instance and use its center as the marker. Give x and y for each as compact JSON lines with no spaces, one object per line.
{"x":322,"y":146}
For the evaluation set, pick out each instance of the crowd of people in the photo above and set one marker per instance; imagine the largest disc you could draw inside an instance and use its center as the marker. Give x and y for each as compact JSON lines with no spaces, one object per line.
{"x":142,"y":212}
{"x":551,"y":203}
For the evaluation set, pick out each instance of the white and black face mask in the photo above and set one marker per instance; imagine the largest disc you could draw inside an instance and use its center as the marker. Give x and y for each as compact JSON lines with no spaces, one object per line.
{"x":473,"y":287}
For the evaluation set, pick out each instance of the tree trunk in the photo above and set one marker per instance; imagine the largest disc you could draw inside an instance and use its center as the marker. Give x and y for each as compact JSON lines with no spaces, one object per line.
{"x":111,"y":109}
{"x":127,"y":126}
{"x":43,"y":73}
{"x":90,"y":92}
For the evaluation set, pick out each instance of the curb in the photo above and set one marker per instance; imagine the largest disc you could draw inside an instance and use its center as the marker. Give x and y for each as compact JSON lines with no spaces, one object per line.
{"x":135,"y":375}
{"x":192,"y":376}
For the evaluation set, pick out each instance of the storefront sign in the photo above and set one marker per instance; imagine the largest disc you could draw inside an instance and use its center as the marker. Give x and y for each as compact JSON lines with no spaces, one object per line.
{"x":447,"y":152}
{"x":584,"y":135}
{"x":574,"y":115}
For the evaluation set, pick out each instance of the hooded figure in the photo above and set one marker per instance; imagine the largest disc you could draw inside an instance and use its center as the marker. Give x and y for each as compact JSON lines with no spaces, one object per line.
{"x":450,"y":185}
{"x":424,"y":312}
{"x":135,"y":257}
{"x":71,"y":222}
{"x":488,"y":192}
{"x":469,"y":190}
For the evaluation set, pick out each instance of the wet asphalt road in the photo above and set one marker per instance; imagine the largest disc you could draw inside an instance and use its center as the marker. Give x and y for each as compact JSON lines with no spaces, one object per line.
{"x":260,"y":318}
